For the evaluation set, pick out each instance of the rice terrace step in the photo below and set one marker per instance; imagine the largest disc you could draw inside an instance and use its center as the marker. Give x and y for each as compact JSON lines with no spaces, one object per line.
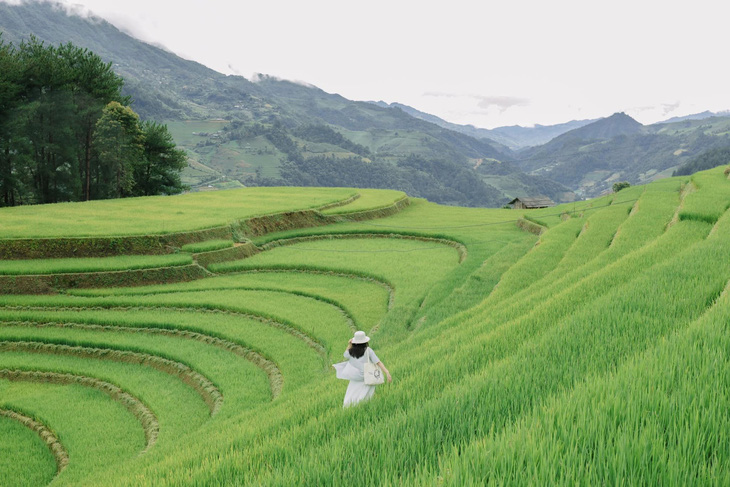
{"x":205,"y":350}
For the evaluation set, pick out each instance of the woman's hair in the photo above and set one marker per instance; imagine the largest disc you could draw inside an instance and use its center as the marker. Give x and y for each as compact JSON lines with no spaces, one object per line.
{"x":357,"y":350}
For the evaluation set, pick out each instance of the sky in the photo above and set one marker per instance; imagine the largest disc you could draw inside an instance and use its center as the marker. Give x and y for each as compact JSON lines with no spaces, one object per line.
{"x":480,"y":62}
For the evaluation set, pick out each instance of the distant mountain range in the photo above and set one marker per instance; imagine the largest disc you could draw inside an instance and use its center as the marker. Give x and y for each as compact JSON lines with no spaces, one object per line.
{"x":698,"y":116}
{"x":514,"y":137}
{"x":618,"y":148}
{"x":271,"y":131}
{"x":280,"y":132}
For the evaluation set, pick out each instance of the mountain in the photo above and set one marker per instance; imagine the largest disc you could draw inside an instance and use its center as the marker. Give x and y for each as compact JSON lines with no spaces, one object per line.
{"x":707,"y":160}
{"x":518,"y":137}
{"x":698,"y":116}
{"x":618,"y":148}
{"x":604,"y":129}
{"x":271,"y":131}
{"x":514,"y":137}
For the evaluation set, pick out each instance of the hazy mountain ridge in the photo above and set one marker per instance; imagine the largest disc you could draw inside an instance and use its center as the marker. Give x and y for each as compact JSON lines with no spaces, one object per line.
{"x":605,"y":128}
{"x":168,"y":88}
{"x":697,"y":116}
{"x":585,"y":156}
{"x":618,"y":148}
{"x":513,"y":137}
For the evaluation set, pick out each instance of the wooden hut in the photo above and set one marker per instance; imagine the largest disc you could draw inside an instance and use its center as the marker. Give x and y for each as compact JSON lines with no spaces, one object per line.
{"x":531,"y":203}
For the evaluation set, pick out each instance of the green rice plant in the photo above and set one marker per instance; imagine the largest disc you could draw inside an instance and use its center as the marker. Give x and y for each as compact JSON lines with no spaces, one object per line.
{"x":513,"y":322}
{"x":207,"y":246}
{"x":25,"y":458}
{"x":541,"y":260}
{"x":535,"y":220}
{"x":208,"y":391}
{"x":160,"y":214}
{"x":594,"y":247}
{"x":96,"y":430}
{"x":496,"y":244}
{"x":411,"y":267}
{"x":596,"y":236}
{"x":369,"y":199}
{"x":555,"y":215}
{"x":508,"y":388}
{"x":672,"y":446}
{"x":404,"y":258}
{"x":408,"y":387}
{"x":175,"y":406}
{"x":143,"y":414}
{"x":446,"y":300}
{"x":610,"y":410}
{"x":92,"y":264}
{"x":552,"y":305}
{"x":320,"y":321}
{"x":648,"y":219}
{"x":219,"y":363}
{"x":458,"y":246}
{"x":596,"y":356}
{"x":296,"y":358}
{"x":419,"y":218}
{"x":711,"y":200}
{"x":365,"y":300}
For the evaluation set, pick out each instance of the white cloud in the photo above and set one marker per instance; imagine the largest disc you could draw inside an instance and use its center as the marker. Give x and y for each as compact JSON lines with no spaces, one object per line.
{"x":503,"y":103}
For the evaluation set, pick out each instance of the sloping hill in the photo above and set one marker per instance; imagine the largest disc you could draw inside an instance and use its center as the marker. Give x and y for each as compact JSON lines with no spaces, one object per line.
{"x":606,"y":128}
{"x":590,"y":159}
{"x":594,"y":351}
{"x":152,"y":75}
{"x":166,"y":87}
{"x":697,"y":116}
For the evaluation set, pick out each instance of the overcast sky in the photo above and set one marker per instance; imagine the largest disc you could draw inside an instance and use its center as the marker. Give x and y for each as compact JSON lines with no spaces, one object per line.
{"x":476,"y":62}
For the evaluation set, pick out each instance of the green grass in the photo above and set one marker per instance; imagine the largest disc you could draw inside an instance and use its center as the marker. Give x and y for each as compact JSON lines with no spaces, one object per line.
{"x":365,"y":300}
{"x":187,"y":133}
{"x":24,"y":457}
{"x":207,"y":246}
{"x":222,"y":368}
{"x":411,"y":267}
{"x":160,"y":214}
{"x":257,"y":153}
{"x":709,"y":201}
{"x":276,"y":339}
{"x":594,"y":354}
{"x":92,"y":264}
{"x":369,"y":199}
{"x":234,"y":159}
{"x":667,"y":380}
{"x":104,"y":434}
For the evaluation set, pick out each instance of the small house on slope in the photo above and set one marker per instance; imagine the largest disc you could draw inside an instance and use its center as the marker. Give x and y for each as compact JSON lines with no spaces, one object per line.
{"x":531,"y":203}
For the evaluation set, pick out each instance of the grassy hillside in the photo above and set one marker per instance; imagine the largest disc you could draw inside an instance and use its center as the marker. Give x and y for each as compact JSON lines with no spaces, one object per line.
{"x":592,"y":353}
{"x":590,"y":159}
{"x":267,"y":118}
{"x":160,"y":214}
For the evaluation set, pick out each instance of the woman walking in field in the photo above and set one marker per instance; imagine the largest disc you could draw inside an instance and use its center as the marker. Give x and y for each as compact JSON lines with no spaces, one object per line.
{"x":358,"y":353}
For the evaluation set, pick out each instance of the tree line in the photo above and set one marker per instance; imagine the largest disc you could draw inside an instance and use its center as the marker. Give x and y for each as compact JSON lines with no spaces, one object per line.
{"x":706,"y":160}
{"x":68,"y":134}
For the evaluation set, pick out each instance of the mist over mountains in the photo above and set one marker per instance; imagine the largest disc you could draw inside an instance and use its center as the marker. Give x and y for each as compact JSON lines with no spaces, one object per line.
{"x":514,"y":137}
{"x":270,"y":131}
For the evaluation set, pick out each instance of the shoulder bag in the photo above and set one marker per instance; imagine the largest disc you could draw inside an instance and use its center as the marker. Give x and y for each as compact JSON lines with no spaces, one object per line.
{"x":372,"y":374}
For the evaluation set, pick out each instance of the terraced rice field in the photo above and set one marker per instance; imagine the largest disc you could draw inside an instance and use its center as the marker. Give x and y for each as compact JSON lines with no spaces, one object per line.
{"x":594,"y":353}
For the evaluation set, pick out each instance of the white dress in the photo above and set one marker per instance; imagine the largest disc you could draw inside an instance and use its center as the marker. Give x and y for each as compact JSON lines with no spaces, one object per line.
{"x":352,"y":370}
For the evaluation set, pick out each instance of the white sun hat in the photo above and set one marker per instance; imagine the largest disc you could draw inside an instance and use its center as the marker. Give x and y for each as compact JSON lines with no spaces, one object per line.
{"x":360,"y":337}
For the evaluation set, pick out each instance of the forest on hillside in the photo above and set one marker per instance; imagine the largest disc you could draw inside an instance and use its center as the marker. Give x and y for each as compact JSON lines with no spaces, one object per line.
{"x":68,"y":134}
{"x":706,"y":160}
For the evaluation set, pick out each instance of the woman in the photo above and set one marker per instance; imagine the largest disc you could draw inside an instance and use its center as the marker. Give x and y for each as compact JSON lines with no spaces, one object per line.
{"x":357,"y":354}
